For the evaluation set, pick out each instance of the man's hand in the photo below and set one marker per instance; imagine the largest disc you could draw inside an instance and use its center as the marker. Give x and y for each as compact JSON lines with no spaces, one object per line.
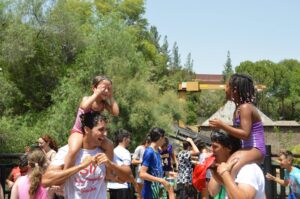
{"x":103,"y":159}
{"x":226,"y":167}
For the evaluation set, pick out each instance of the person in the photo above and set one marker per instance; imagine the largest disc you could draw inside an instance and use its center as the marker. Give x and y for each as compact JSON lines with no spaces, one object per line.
{"x":185,"y":170}
{"x":204,"y":154}
{"x":249,"y":182}
{"x":248,"y":125}
{"x":49,"y":146}
{"x":17,"y":171}
{"x":1,"y":192}
{"x":167,"y":155}
{"x":121,"y":190}
{"x":291,"y":174}
{"x":86,"y":179}
{"x":29,"y":186}
{"x":101,"y":99}
{"x":137,"y":159}
{"x":151,"y":172}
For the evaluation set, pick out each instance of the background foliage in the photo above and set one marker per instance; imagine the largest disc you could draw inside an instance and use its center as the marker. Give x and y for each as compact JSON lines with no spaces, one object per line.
{"x":51,"y":50}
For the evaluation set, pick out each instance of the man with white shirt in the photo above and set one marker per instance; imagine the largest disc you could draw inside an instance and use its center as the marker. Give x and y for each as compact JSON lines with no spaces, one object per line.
{"x":123,"y":158}
{"x":86,"y":179}
{"x":249,"y":182}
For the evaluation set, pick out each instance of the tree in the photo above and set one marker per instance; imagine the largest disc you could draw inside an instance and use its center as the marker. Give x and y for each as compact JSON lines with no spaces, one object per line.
{"x":189,"y":63}
{"x":175,"y":58}
{"x":228,"y":71}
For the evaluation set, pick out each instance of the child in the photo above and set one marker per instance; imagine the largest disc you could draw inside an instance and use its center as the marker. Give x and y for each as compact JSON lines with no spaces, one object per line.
{"x":247,"y":122}
{"x":100,"y":99}
{"x":29,"y":186}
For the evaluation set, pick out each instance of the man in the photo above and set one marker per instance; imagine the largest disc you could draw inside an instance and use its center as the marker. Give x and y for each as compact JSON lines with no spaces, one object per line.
{"x":123,"y":157}
{"x":249,"y":182}
{"x":291,"y":174}
{"x":151,"y":172}
{"x":86,"y":178}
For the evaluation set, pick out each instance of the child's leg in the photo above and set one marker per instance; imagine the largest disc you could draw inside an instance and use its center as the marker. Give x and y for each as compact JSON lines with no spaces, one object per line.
{"x":108,"y":147}
{"x":75,"y":143}
{"x":244,"y":156}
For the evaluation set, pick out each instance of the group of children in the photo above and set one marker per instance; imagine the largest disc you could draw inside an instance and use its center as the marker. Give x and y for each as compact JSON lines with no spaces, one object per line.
{"x":247,"y":127}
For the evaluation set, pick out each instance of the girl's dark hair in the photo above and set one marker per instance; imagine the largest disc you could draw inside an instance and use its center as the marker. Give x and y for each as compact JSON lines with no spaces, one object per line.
{"x":226,"y":140}
{"x":23,"y":162}
{"x":185,"y":145}
{"x":50,"y":141}
{"x":242,"y":86}
{"x":91,"y":119}
{"x":120,"y":134}
{"x":99,"y":79}
{"x":156,"y":133}
{"x":37,"y":161}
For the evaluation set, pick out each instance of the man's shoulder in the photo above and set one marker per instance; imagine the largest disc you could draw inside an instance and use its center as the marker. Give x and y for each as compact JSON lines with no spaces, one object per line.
{"x":251,"y":167}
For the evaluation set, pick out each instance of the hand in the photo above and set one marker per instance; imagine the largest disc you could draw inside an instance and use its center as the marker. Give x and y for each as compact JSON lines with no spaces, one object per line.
{"x":166,"y":184}
{"x":270,"y":177}
{"x":189,"y":139}
{"x":90,"y":159}
{"x":226,"y":167}
{"x":216,"y":124}
{"x":103,"y":159}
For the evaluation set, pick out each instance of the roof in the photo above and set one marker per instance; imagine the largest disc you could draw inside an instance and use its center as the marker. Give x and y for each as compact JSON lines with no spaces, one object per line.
{"x":225,"y":113}
{"x":210,"y":78}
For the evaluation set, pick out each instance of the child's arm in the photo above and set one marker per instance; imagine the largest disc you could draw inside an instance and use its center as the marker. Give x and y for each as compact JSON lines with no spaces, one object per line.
{"x":278,"y":180}
{"x":87,"y":101}
{"x":14,"y":191}
{"x":246,"y":123}
{"x":195,"y":150}
{"x":112,"y":107}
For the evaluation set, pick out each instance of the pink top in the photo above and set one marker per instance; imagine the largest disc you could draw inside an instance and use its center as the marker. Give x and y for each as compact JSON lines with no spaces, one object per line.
{"x":23,"y":189}
{"x":77,"y":125}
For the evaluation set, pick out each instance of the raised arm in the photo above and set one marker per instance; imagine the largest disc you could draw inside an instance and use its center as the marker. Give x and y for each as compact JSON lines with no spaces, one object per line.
{"x":277,"y":180}
{"x":195,"y":150}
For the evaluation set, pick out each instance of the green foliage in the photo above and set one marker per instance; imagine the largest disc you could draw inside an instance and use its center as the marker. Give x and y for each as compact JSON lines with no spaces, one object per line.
{"x":50,"y":57}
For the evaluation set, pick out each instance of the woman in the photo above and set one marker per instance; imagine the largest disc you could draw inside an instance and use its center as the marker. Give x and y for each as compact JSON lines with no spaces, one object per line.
{"x":48,"y":145}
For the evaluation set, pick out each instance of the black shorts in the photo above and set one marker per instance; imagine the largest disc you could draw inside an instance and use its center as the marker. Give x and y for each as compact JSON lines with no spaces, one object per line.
{"x":184,"y":191}
{"x":119,"y":193}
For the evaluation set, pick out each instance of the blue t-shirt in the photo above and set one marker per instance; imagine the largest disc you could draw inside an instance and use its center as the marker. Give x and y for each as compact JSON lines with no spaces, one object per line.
{"x":294,"y":180}
{"x":152,"y":160}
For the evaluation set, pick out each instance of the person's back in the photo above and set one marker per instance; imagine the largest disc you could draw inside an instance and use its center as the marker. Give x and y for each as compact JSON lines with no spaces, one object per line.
{"x":24,"y":186}
{"x":251,"y":174}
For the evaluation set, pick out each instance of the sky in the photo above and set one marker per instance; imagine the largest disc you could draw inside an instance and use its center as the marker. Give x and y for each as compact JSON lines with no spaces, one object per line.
{"x":250,"y":30}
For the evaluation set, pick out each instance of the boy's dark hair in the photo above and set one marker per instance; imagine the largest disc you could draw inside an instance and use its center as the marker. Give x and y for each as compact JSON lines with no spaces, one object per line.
{"x":166,"y":143}
{"x":156,"y":133}
{"x":226,"y":140}
{"x":23,"y":162}
{"x":243,"y":85}
{"x":185,"y":145}
{"x":91,"y":119}
{"x":120,"y":134}
{"x":146,"y":141}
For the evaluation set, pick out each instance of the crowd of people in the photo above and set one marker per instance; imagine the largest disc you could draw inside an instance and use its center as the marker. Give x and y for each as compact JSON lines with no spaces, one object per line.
{"x":90,"y":164}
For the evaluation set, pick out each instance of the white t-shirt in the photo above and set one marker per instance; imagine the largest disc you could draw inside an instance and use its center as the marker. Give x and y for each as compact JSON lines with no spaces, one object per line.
{"x":89,"y":182}
{"x":252,"y":175}
{"x":121,"y":157}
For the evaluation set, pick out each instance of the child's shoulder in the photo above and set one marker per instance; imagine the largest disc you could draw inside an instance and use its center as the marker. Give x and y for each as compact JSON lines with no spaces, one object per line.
{"x":247,"y":107}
